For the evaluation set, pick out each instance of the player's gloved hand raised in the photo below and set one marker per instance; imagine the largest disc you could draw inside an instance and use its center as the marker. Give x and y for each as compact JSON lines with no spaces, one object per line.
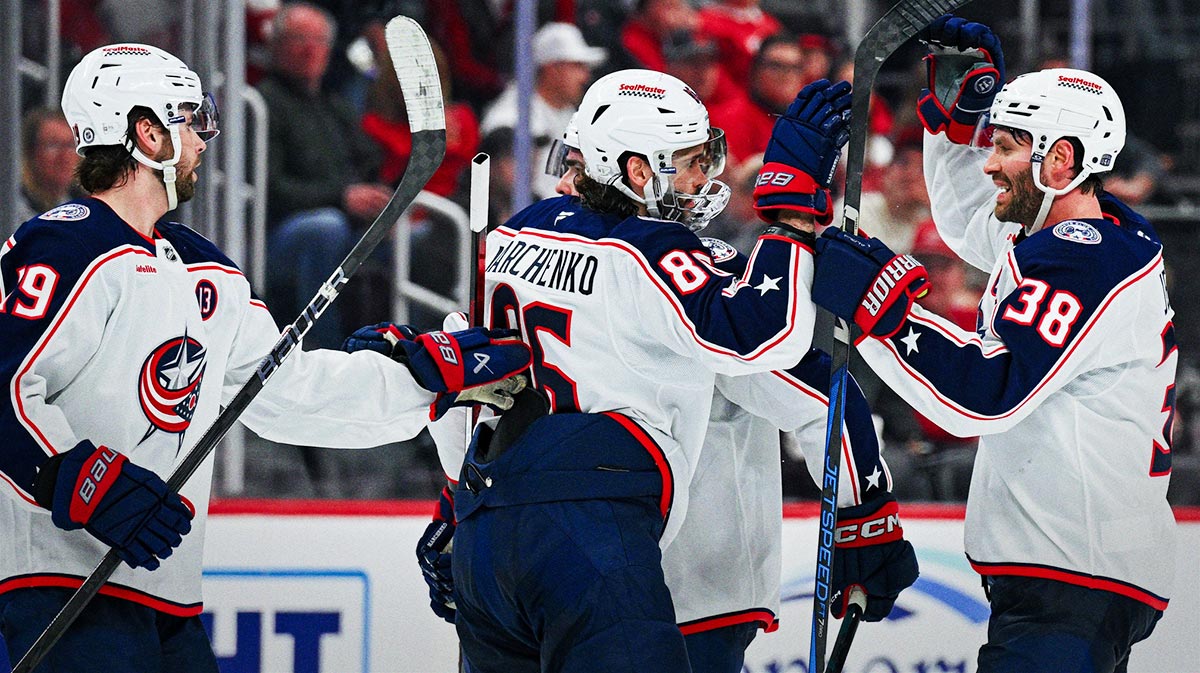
{"x":863,"y":281}
{"x":870,"y":552}
{"x":803,"y":152}
{"x":964,"y":71}
{"x":125,"y":506}
{"x":433,"y":555}
{"x":471,"y":366}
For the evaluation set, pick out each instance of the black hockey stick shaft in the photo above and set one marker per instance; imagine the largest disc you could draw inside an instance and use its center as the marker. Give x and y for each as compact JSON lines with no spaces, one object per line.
{"x":845,"y":638}
{"x":417,"y":72}
{"x":901,"y":23}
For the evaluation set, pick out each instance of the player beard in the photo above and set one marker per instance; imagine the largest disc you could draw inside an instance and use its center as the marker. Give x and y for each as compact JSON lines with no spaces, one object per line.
{"x":185,"y":182}
{"x":1024,"y":199}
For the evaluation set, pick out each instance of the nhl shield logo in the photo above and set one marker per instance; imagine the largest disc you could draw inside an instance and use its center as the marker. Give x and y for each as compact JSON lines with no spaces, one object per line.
{"x":1077,"y":231}
{"x":169,"y":385}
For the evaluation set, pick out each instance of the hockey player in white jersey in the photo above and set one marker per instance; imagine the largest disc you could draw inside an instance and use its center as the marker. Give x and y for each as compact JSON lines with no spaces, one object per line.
{"x":1069,"y":378}
{"x":123,"y":335}
{"x":723,"y":568}
{"x":497,"y":638}
{"x":559,"y":516}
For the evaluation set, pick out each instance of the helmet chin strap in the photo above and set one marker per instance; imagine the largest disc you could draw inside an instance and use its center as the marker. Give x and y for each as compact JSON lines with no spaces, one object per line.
{"x":167,"y":167}
{"x":1048,"y":193}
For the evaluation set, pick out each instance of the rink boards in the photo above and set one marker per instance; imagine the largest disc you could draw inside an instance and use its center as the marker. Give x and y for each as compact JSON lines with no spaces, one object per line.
{"x":333,"y":587}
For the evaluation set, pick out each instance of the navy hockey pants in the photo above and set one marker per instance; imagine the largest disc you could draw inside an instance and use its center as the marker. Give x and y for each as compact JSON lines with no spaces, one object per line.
{"x":1044,"y":626}
{"x":720,"y":650}
{"x":566,"y":587}
{"x":112,"y":635}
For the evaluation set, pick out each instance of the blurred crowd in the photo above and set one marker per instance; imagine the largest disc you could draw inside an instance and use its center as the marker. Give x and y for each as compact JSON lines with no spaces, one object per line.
{"x":339,"y":142}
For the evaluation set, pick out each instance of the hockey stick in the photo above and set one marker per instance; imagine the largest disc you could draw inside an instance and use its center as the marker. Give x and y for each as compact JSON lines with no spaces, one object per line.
{"x":902,"y":22}
{"x":416,"y":69}
{"x":841,"y":646}
{"x":481,"y":166}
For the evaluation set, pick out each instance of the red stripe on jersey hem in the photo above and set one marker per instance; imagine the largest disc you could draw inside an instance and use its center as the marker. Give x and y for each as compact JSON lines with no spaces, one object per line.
{"x":113,"y":590}
{"x":58,"y":320}
{"x":656,"y":452}
{"x":949,"y":403}
{"x":1070,"y":577}
{"x":766,"y":620}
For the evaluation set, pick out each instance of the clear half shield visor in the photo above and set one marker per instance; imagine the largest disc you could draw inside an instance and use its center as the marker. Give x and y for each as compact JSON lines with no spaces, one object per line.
{"x":698,"y":209}
{"x":556,"y":160}
{"x":981,"y":137}
{"x":203,"y":118}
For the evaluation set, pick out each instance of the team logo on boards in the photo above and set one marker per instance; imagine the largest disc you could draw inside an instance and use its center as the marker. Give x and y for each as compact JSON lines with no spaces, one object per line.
{"x":720,"y":250}
{"x":1077,"y":231}
{"x":68,"y":212}
{"x":169,"y":385}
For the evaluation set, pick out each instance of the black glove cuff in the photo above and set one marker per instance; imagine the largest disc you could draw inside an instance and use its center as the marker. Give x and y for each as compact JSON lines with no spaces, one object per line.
{"x":44,"y":482}
{"x":808,"y":238}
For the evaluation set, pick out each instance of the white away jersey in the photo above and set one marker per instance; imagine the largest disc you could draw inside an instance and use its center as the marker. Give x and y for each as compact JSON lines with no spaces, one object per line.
{"x":1069,"y":380}
{"x":135,"y":343}
{"x":632,"y":316}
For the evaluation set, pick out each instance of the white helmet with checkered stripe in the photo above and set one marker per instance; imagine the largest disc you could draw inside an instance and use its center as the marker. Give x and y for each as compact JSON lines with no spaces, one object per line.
{"x":653,"y":115}
{"x":1062,"y":103}
{"x":111,"y":81}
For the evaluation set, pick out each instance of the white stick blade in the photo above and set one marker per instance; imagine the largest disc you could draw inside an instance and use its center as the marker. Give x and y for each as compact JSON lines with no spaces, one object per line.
{"x":481,"y":167}
{"x":417,"y":71}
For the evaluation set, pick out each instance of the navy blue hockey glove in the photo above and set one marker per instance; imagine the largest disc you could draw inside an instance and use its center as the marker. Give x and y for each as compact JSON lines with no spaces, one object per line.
{"x":433,"y":555}
{"x":472,"y":366}
{"x":869,"y":551}
{"x":127,"y":507}
{"x":964,"y":72}
{"x":863,"y":281}
{"x":803,"y":152}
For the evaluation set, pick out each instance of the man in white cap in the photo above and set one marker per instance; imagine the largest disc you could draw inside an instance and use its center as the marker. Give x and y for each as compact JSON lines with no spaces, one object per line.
{"x":564,"y":64}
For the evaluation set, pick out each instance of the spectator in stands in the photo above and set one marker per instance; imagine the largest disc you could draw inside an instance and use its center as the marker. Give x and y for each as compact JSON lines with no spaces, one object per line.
{"x":478,"y":38}
{"x":386,"y":121}
{"x":738,"y":27}
{"x":693,"y":59}
{"x":48,"y":161}
{"x":322,"y":170}
{"x":892,"y":210}
{"x":564,"y":69}
{"x":650,"y":26}
{"x":882,"y":122}
{"x":776,"y":74}
{"x":818,"y":52}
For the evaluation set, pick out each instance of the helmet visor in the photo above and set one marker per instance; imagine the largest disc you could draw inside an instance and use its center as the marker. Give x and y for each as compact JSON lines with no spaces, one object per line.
{"x":204,"y":117}
{"x":708,"y":157}
{"x":563,"y":158}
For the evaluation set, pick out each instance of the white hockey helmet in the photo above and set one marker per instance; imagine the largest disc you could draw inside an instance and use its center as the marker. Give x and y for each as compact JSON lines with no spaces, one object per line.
{"x":1062,"y":103}
{"x":110,"y":81}
{"x":653,"y":115}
